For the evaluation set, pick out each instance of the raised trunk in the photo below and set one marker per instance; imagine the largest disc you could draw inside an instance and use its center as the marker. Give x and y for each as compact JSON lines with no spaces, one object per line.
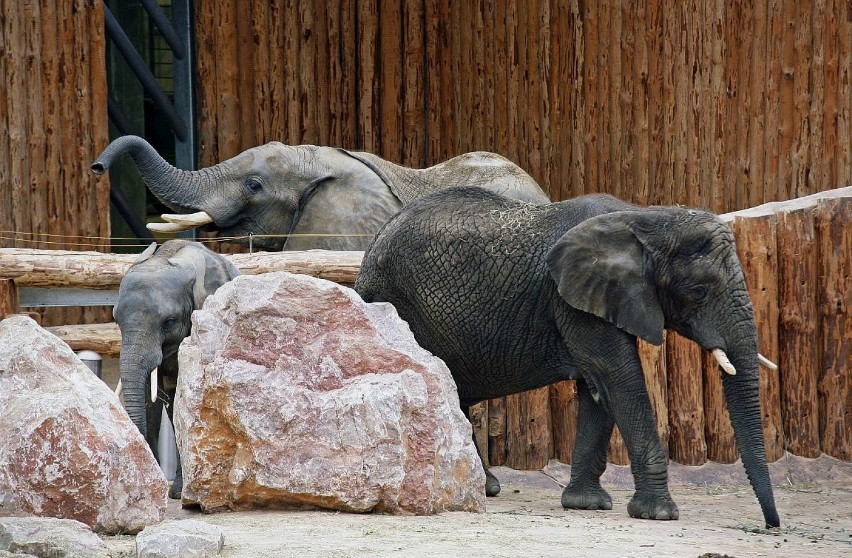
{"x":742,"y":395}
{"x":179,"y":189}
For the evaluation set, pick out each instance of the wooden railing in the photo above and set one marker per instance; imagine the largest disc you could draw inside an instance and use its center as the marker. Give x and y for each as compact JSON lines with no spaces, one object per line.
{"x":797,"y":258}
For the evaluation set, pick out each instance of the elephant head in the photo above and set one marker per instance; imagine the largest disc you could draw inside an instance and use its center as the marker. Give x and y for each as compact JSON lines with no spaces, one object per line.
{"x":646,"y":270}
{"x":155,"y":301}
{"x":304,"y":196}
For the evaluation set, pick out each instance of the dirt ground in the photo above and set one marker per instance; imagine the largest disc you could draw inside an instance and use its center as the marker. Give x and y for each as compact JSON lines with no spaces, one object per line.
{"x":719,"y":515}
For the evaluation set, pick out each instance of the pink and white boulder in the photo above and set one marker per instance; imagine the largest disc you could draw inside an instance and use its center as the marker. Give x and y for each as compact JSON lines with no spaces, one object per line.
{"x":294,"y":392}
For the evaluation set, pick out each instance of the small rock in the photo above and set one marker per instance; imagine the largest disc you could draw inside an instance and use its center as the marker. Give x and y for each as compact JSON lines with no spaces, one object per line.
{"x":47,"y":537}
{"x":295,"y":392}
{"x":188,"y":538}
{"x":67,"y":447}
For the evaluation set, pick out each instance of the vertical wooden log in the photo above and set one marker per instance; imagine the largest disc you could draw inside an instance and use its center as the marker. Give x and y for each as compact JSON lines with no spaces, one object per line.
{"x":322,"y":91}
{"x":685,"y":401}
{"x":227,"y":67}
{"x":786,"y":102}
{"x":656,"y":106}
{"x":591,"y":140}
{"x":205,"y":43}
{"x":349,"y":53}
{"x":16,"y":114}
{"x":574,"y":165}
{"x":834,"y":229}
{"x":564,"y":406}
{"x":7,"y":217}
{"x":696,"y":91}
{"x":437,"y":74}
{"x":844,"y":95}
{"x":799,"y":358}
{"x":618,"y":152}
{"x":635,"y":87}
{"x":293,"y":72}
{"x":653,"y":360}
{"x":756,"y":247}
{"x":8,"y":298}
{"x":528,"y":436}
{"x":771,"y":98}
{"x":730,"y":124}
{"x":604,"y":120}
{"x":817,"y":179}
{"x":368,"y":88}
{"x":36,"y":141}
{"x":718,"y":432}
{"x":413,"y":140}
{"x":617,"y":454}
{"x":479,"y":423}
{"x":497,"y":431}
{"x":830,"y":177}
{"x":756,"y":62}
{"x":261,"y":48}
{"x":308,"y":48}
{"x":390,"y":63}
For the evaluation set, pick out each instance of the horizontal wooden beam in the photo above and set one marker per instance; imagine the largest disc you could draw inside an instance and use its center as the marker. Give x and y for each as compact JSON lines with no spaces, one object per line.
{"x":104,"y":339}
{"x":97,"y":270}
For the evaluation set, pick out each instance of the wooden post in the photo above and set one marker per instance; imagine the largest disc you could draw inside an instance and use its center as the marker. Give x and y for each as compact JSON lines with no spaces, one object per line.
{"x":528,"y":435}
{"x":834,"y":226}
{"x":719,"y":434}
{"x":756,"y":247}
{"x":479,"y":423}
{"x":8,"y":298}
{"x":654,"y":367}
{"x":798,"y":327}
{"x":563,"y":418}
{"x":685,"y":400}
{"x":497,"y":431}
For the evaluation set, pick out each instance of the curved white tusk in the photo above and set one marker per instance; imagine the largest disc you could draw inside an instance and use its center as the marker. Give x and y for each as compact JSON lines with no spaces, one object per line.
{"x":724,"y":362}
{"x":190,"y":219}
{"x":166,"y":227}
{"x":177,"y":223}
{"x":154,"y":386}
{"x":118,"y":388}
{"x":766,"y":362}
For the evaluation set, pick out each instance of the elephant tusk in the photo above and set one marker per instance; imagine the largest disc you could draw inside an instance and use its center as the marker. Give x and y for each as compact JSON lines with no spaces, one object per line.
{"x":154,"y":386}
{"x":724,"y":362}
{"x":118,"y":388}
{"x":766,"y":362}
{"x":177,"y":223}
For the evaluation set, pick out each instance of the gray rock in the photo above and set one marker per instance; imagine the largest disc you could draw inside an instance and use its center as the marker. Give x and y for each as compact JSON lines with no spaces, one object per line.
{"x":295,"y":392}
{"x":188,"y":538}
{"x":67,"y":447}
{"x":48,"y":537}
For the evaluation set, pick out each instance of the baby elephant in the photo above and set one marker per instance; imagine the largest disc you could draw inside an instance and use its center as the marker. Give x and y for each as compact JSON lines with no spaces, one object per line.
{"x":155,"y":301}
{"x":514,"y":296}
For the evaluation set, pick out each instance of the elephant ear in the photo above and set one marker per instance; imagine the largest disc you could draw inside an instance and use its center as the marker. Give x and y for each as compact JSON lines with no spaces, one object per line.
{"x":149,"y":251}
{"x":599,"y":268}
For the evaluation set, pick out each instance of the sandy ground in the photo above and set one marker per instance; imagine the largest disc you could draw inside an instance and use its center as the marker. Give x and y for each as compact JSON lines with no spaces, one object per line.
{"x":719,"y":515}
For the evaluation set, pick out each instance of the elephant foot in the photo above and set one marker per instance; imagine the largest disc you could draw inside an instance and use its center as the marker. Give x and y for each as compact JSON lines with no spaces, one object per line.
{"x":652,"y":506}
{"x":176,"y":489}
{"x":492,"y":485}
{"x":577,"y":497}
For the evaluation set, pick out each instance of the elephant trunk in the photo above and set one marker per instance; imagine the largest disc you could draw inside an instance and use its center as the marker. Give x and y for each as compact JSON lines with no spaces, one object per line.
{"x":180,"y":190}
{"x":136,"y":366}
{"x":742,"y":395}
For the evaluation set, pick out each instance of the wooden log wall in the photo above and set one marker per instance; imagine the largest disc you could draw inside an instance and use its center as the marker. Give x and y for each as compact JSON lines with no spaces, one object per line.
{"x":53,"y":123}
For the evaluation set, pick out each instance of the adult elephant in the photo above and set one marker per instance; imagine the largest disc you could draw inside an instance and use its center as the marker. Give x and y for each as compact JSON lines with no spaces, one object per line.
{"x":156,"y":298}
{"x":320,"y":197}
{"x":514,"y":297}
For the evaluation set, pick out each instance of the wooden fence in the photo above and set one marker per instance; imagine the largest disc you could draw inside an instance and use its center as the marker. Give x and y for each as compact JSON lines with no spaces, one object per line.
{"x":53,"y":123}
{"x":708,"y":104}
{"x":797,"y":257}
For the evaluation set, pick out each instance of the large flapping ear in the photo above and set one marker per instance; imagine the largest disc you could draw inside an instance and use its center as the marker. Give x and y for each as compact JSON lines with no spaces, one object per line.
{"x":599,"y":267}
{"x":192,"y":262}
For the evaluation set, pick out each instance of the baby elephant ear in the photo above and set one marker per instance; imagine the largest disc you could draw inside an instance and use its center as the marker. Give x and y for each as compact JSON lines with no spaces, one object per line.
{"x":599,"y":268}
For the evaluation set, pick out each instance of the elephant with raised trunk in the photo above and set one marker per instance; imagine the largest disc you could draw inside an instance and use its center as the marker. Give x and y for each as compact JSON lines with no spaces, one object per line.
{"x":320,"y":197}
{"x":156,"y":298}
{"x":514,"y":296}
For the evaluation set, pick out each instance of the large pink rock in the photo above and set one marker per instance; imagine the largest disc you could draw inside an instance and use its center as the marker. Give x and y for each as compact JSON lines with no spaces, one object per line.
{"x":293,"y":391}
{"x":67,"y":447}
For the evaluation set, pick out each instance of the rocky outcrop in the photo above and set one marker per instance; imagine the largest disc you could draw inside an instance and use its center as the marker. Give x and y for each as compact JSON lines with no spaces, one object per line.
{"x":49,"y":538}
{"x":187,"y":538}
{"x":294,"y":392}
{"x":67,"y":447}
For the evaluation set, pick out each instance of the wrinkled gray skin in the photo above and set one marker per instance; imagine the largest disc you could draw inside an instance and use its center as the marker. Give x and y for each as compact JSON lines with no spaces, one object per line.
{"x":277,"y":189}
{"x":155,"y":301}
{"x":514,"y":297}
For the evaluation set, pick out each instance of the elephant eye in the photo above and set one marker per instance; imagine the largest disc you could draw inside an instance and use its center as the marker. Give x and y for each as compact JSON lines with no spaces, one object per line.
{"x":253,"y":185}
{"x":168,"y":324}
{"x":698,"y":293}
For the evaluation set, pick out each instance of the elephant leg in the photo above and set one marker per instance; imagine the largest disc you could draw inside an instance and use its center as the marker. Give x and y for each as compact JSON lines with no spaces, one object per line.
{"x":153,"y":416}
{"x":169,"y":385}
{"x":631,"y":408}
{"x":492,"y":485}
{"x":594,"y":429}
